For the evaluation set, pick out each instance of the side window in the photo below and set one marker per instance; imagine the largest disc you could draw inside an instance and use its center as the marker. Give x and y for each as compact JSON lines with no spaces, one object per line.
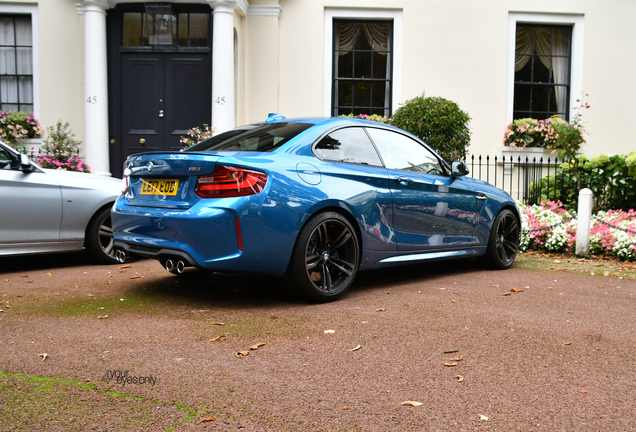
{"x":5,"y":160}
{"x":400,"y":152}
{"x":350,"y":145}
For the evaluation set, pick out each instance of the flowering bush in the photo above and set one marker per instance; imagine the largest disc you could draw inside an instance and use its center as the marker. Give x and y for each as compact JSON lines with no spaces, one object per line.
{"x":18,"y":125}
{"x":196,"y":135}
{"x":554,"y":133}
{"x":372,"y":117}
{"x":550,"y":227}
{"x":61,"y":150}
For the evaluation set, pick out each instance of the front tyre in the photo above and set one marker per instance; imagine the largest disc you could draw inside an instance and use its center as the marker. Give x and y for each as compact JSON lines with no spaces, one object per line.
{"x":99,"y":237}
{"x":503,"y":242}
{"x":325,"y":259}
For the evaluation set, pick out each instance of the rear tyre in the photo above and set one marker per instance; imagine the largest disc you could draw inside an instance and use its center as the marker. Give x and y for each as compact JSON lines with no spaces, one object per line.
{"x":325,"y":259}
{"x":503,"y":242}
{"x":99,"y":238}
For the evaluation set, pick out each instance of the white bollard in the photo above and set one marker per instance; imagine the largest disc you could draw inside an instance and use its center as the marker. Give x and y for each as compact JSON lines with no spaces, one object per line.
{"x":584,"y":223}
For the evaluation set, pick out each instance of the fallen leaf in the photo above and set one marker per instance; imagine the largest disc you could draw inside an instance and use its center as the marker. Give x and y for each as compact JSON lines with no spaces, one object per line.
{"x":273,"y":317}
{"x":49,"y":274}
{"x":517,"y":290}
{"x":442,"y":288}
{"x":483,"y":417}
{"x":497,"y":286}
{"x":548,"y":288}
{"x":217,"y":323}
{"x":392,"y":416}
{"x":556,"y":262}
{"x":505,"y":294}
{"x":566,"y":343}
{"x":241,"y":354}
{"x":257,"y":346}
{"x":205,"y":420}
{"x":459,"y":378}
{"x":450,"y":364}
{"x":43,"y":355}
{"x":583,"y":391}
{"x":136,"y":276}
{"x":454,"y":301}
{"x":124,"y":266}
{"x":91,"y":295}
{"x":460,"y":358}
{"x":380,"y":310}
{"x":345,"y":408}
{"x":102,"y":317}
{"x":354,"y":349}
{"x":330,"y":331}
{"x":219,"y":338}
{"x":411,"y":403}
{"x":178,"y":358}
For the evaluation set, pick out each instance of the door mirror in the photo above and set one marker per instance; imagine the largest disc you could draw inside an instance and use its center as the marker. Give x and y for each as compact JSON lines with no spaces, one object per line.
{"x":25,"y":164}
{"x":459,"y":169}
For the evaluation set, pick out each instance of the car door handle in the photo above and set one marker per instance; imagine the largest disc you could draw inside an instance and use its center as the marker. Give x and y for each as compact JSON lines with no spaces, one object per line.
{"x":404,"y":181}
{"x":481,"y":196}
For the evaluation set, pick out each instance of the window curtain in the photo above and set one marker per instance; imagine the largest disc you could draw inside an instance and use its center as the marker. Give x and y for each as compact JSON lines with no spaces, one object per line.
{"x":378,"y":35}
{"x":552,"y":46}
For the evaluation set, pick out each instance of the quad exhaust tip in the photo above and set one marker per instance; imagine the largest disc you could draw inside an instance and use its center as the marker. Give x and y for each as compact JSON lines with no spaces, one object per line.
{"x":177,"y":268}
{"x":120,"y":255}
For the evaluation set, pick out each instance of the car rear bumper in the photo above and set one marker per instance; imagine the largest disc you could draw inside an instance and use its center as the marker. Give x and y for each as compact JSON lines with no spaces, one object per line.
{"x":207,"y":234}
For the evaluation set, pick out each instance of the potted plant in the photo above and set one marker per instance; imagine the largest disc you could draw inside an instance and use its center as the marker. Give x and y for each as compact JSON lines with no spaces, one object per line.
{"x":20,"y":129}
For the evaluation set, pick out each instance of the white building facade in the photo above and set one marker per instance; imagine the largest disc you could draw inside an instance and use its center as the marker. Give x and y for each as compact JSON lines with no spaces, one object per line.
{"x":134,"y":76}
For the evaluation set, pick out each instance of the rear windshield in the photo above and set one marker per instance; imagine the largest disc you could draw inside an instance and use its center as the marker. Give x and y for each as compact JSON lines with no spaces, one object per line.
{"x":260,"y":137}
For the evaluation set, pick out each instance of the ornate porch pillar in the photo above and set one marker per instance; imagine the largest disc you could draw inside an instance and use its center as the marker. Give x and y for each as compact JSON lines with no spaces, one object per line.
{"x":223,"y":64}
{"x":95,"y":85}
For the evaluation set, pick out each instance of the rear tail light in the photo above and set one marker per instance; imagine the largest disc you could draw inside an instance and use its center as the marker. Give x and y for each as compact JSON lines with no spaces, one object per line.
{"x":226,"y":182}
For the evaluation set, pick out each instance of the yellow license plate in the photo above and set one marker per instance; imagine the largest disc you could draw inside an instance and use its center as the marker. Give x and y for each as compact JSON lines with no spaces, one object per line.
{"x":159,"y":187}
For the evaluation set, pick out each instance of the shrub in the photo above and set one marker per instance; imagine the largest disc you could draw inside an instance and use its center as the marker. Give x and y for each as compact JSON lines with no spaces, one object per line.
{"x":438,"y":122}
{"x":18,"y":125}
{"x":196,"y":135}
{"x":610,"y":178}
{"x":61,"y":150}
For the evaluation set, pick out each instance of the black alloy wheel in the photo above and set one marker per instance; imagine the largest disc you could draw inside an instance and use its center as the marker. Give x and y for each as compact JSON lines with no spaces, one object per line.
{"x":504,"y":241}
{"x":325,"y":259}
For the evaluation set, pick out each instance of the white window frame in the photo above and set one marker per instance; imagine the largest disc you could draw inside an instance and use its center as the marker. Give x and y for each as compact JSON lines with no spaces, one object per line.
{"x":376,"y":14}
{"x":576,"y":65}
{"x":33,"y":11}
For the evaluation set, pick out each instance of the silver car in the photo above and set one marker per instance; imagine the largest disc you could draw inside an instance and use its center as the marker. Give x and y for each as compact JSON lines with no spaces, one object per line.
{"x":46,"y":211}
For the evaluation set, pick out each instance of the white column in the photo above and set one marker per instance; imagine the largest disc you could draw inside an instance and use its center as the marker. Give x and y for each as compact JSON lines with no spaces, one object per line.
{"x":223,"y":65}
{"x":96,"y":86}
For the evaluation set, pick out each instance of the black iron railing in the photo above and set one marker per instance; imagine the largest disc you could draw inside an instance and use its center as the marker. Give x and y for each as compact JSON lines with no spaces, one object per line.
{"x":532,"y":180}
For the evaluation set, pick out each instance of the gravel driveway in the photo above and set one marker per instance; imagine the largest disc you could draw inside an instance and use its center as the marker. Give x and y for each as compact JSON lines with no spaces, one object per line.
{"x":112,"y":349}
